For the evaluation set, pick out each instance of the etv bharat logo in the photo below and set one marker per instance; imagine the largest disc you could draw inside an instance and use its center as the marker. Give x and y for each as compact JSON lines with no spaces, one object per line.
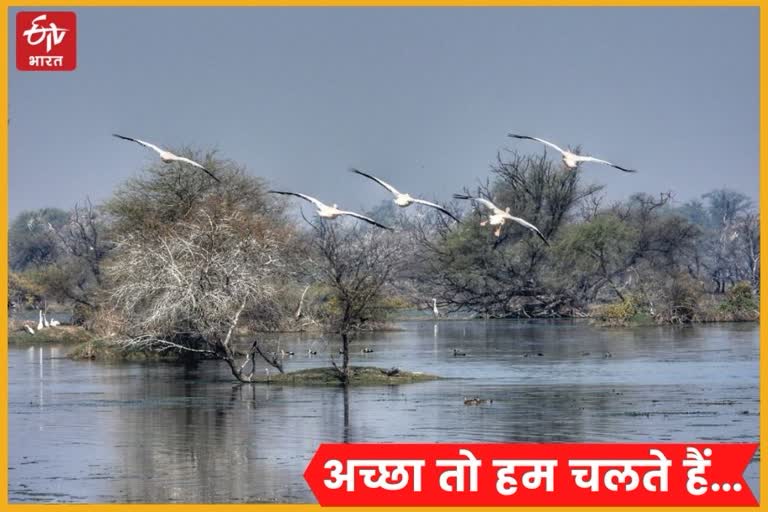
{"x":46,"y":41}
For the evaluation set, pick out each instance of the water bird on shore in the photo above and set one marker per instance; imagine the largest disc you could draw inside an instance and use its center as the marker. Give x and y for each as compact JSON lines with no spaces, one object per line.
{"x":367,"y":350}
{"x":498,"y":216}
{"x":404,"y":200}
{"x":29,"y":329}
{"x":167,"y":156}
{"x":40,"y":319}
{"x":45,"y":321}
{"x":456,"y":353}
{"x":330,"y":212}
{"x":54,"y":323}
{"x":435,"y":311}
{"x":570,"y":159}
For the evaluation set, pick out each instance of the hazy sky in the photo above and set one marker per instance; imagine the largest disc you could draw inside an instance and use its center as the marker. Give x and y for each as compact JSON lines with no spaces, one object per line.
{"x":422,"y":97}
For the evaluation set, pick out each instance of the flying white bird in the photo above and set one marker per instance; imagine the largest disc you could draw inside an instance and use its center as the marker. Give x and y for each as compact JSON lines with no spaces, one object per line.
{"x":498,"y":216}
{"x":329,"y":212}
{"x":572,"y":160}
{"x":167,"y":156}
{"x":404,"y":200}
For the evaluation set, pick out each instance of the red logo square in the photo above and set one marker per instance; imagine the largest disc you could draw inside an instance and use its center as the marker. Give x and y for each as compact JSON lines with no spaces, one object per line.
{"x":46,"y":41}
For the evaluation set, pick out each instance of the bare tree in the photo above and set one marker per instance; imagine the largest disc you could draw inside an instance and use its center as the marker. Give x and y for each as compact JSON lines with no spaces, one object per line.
{"x":198,"y":263}
{"x":469,"y":269}
{"x":357,"y":264}
{"x":187,"y":289}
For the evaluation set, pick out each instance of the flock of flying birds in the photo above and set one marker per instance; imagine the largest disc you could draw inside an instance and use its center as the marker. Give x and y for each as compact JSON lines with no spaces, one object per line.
{"x":497,"y":217}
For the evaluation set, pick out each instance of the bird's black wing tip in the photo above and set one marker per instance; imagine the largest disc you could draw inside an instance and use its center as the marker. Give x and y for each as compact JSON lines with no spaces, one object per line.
{"x":361,"y":173}
{"x":382,"y":226}
{"x":461,"y":196}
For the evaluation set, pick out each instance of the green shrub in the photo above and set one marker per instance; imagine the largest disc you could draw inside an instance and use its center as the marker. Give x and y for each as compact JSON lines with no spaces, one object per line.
{"x":740,"y":302}
{"x":680,"y":300}
{"x":617,"y":313}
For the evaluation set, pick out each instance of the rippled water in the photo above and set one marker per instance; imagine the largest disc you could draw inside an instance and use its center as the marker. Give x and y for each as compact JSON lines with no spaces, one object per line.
{"x":94,"y":432}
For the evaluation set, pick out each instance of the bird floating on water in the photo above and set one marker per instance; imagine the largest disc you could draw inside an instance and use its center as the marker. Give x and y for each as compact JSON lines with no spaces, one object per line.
{"x":167,"y":156}
{"x":571,"y":160}
{"x":456,"y":353}
{"x":498,"y":216}
{"x":330,"y":212}
{"x":404,"y":200}
{"x":477,"y":400}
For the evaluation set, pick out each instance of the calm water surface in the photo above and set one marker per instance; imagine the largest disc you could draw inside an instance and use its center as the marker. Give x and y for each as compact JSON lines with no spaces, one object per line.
{"x":94,"y":432}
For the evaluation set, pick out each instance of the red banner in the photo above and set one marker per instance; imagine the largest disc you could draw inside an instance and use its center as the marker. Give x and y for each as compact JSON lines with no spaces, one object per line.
{"x":46,"y":40}
{"x":531,"y":474}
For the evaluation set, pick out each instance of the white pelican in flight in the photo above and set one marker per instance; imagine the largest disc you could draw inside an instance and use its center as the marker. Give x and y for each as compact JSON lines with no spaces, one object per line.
{"x":499,"y":216}
{"x":404,"y":200}
{"x":329,"y":212}
{"x":167,"y":156}
{"x":571,"y":160}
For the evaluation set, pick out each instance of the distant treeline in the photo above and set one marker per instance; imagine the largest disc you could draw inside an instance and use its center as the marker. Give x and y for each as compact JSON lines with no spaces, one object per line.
{"x":175,"y":256}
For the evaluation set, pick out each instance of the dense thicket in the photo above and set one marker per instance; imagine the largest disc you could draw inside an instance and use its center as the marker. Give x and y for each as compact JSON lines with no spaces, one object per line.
{"x":175,"y":260}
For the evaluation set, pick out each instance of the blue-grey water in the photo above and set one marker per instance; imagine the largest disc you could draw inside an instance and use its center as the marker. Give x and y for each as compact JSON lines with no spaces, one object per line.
{"x":82,"y":431}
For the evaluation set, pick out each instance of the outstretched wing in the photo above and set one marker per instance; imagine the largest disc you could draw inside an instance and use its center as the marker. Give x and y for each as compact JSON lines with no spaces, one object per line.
{"x":303,"y":196}
{"x":366,"y":219}
{"x":606,"y":162}
{"x":437,"y":207}
{"x":192,"y":162}
{"x":377,"y":180}
{"x":480,"y":200}
{"x":530,"y":226}
{"x":554,"y":146}
{"x":139,"y":141}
